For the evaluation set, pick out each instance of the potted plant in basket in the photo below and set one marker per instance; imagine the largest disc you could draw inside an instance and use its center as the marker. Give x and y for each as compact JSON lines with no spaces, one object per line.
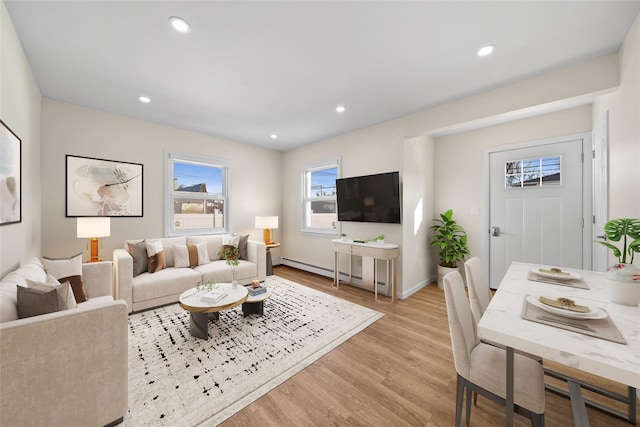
{"x":625,"y":277}
{"x":231,"y":254}
{"x":451,"y":240}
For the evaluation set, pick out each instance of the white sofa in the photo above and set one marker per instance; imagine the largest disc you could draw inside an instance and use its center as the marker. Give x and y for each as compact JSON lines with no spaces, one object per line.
{"x":148,"y":290}
{"x":64,"y":368}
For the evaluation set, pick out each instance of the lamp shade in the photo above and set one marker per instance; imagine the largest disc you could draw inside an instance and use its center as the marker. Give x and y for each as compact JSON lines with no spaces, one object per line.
{"x":267,"y":222}
{"x":93,"y":227}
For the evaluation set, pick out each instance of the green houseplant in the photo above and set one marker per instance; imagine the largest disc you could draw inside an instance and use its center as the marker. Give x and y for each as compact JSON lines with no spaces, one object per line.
{"x":623,"y":229}
{"x":624,"y":287}
{"x":231,"y":254}
{"x":451,"y":240}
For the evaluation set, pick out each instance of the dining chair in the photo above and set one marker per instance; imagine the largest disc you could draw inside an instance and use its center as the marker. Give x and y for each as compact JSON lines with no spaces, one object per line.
{"x":481,"y":367}
{"x":478,"y":286}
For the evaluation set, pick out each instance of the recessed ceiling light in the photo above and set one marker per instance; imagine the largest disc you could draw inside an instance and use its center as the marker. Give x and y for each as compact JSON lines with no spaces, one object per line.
{"x":486,"y":50}
{"x":144,"y":99}
{"x":340,"y":108}
{"x":274,"y":136}
{"x":179,"y":24}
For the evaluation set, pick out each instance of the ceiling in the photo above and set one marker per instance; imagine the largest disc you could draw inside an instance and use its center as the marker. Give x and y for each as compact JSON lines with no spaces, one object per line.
{"x":248,"y":70}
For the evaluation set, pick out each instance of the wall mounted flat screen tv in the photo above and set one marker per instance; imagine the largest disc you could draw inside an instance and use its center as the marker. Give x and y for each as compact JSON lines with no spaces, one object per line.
{"x":370,"y":198}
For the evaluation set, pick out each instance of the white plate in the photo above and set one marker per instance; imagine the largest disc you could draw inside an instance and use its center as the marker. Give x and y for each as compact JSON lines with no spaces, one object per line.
{"x":594,"y":312}
{"x":549,"y":275}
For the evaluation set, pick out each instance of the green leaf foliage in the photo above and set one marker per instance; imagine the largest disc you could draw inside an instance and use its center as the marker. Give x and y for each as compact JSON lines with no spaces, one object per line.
{"x":450,"y":238}
{"x":627,"y":230}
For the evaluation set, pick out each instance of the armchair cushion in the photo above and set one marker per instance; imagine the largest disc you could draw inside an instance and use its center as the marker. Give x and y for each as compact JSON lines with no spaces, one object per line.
{"x":68,"y":269}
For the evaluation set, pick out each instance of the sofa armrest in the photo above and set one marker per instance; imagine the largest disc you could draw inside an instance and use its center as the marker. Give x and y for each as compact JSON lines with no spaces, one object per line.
{"x":257,"y":253}
{"x":98,"y":278}
{"x":72,"y":363}
{"x":123,"y":272}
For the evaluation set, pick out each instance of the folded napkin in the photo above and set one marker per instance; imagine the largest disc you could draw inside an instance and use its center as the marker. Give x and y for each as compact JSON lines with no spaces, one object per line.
{"x":572,"y":283}
{"x":555,"y":270}
{"x":564,"y":303}
{"x":599,"y":328}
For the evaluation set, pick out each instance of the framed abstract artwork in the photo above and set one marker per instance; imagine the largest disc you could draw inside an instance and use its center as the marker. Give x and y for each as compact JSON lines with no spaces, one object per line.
{"x":98,"y":187}
{"x":10,"y":176}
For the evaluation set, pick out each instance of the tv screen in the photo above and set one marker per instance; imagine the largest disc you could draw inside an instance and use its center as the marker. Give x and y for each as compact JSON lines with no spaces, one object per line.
{"x":370,"y":198}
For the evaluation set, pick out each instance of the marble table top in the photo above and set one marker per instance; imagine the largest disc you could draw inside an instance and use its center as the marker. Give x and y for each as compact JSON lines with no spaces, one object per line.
{"x":502,"y":324}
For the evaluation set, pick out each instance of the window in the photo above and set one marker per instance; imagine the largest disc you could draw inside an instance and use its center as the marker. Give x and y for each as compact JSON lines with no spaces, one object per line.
{"x":197,"y":197}
{"x":319,"y":205}
{"x":539,"y":172}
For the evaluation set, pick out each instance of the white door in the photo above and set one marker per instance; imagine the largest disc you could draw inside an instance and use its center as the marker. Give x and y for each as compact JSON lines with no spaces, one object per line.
{"x":600,"y":253}
{"x":535,"y":207}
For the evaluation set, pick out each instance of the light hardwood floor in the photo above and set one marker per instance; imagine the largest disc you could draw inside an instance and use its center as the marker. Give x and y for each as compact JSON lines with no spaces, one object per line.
{"x":397,"y":372}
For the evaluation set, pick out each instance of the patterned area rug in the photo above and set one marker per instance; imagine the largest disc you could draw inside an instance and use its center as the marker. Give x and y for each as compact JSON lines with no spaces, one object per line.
{"x":178,"y":380}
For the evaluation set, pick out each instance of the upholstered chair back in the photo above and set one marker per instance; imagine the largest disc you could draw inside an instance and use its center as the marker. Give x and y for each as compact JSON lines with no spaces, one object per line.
{"x":478,"y":286}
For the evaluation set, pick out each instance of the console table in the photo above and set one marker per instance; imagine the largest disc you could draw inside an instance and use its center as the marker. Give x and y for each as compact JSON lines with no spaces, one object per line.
{"x":370,"y":253}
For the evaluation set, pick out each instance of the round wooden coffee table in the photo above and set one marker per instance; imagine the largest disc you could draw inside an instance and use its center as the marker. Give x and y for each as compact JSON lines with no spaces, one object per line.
{"x":200,"y":309}
{"x":255,"y":303}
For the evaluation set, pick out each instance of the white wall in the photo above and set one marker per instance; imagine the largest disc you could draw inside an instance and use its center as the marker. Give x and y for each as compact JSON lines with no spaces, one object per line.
{"x":20,"y":104}
{"x":70,"y":129}
{"x":380,"y":148}
{"x":460,"y":165}
{"x":624,"y":131}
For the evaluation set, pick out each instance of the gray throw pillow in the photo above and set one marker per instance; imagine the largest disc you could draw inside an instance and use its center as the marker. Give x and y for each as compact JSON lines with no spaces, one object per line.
{"x":242,"y":247}
{"x":138,"y":252}
{"x":36,"y":301}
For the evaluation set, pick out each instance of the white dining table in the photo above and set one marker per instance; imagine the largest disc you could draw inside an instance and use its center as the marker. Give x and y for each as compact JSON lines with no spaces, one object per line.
{"x":502,"y":324}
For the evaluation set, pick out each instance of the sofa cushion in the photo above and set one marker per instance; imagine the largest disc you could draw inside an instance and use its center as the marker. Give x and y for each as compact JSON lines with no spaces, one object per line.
{"x":170,"y":281}
{"x":185,"y":256}
{"x":156,"y":255}
{"x":214,"y":244}
{"x":36,"y":301}
{"x":69,"y":269}
{"x":220,"y":272}
{"x":167,"y":245}
{"x":32,"y":270}
{"x":203,"y":254}
{"x":242,"y":247}
{"x":138,"y":251}
{"x":64,"y":292}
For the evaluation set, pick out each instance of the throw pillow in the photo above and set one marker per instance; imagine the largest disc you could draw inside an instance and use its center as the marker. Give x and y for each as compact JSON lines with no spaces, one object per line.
{"x":35,"y":301}
{"x":230,"y":239}
{"x":68,"y":269}
{"x":138,"y":252}
{"x":185,"y":256}
{"x":156,"y":256}
{"x":66,"y":300}
{"x":242,"y":247}
{"x":203,"y":254}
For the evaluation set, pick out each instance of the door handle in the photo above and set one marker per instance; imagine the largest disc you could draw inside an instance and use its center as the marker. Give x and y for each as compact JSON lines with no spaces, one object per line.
{"x":602,"y":237}
{"x":495,"y":231}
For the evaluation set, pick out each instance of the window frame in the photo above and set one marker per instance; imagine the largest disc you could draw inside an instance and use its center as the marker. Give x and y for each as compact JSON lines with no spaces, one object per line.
{"x":309,"y":168}
{"x":171,"y":195}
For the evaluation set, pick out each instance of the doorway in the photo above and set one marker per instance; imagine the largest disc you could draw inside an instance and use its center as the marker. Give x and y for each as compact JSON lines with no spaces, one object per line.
{"x":536,"y":205}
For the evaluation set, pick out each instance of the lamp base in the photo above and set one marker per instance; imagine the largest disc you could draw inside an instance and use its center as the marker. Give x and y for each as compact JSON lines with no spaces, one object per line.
{"x":94,"y":247}
{"x":267,"y":236}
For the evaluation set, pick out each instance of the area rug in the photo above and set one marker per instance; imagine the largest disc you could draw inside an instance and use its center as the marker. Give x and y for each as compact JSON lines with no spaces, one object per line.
{"x":178,"y":380}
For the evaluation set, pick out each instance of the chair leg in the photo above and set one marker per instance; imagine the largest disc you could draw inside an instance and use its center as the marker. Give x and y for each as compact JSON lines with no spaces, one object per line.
{"x":468,"y":402}
{"x":537,"y":420}
{"x":459,"y":394}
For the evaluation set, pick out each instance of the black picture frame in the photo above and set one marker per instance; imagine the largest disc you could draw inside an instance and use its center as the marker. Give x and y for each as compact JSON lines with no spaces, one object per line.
{"x":100,"y":187}
{"x":10,"y":176}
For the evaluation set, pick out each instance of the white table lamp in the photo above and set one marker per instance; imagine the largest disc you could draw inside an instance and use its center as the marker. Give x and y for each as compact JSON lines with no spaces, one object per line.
{"x":93,"y":229}
{"x":267,"y":223}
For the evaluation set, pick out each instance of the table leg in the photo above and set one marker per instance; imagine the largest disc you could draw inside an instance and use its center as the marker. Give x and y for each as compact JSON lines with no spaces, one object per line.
{"x":509,"y":397}
{"x":253,"y":308}
{"x":199,"y":325}
{"x":269,"y":263}
{"x":578,"y":406}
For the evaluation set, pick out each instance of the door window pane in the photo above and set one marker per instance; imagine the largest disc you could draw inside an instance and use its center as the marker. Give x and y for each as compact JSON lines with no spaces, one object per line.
{"x":538,"y":172}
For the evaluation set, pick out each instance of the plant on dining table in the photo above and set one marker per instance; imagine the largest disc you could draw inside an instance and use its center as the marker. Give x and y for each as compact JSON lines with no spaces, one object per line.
{"x":627,"y":230}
